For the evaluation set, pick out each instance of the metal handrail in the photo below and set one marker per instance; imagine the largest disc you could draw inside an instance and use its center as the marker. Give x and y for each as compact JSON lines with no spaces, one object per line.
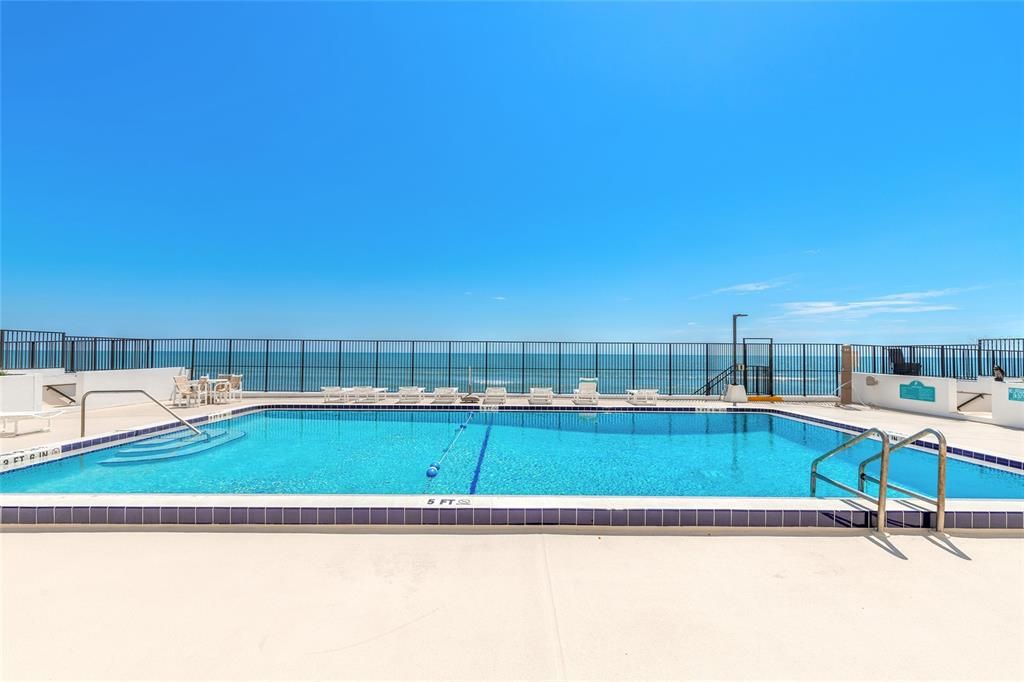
{"x":971,"y":400}
{"x":163,"y":407}
{"x":940,"y":491}
{"x":884,"y":473}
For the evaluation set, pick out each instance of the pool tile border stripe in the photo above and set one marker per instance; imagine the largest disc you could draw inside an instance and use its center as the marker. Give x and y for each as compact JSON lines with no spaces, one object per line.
{"x":69,"y":448}
{"x":501,"y":517}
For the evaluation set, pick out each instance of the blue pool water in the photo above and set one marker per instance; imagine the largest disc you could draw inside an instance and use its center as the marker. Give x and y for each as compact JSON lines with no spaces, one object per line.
{"x":508,"y":453}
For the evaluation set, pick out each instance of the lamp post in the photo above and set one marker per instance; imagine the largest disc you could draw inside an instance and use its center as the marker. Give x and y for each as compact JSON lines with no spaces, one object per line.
{"x":734,"y":316}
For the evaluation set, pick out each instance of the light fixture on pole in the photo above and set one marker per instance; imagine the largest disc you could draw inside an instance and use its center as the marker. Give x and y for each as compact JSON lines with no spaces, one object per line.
{"x":734,"y":316}
{"x":735,"y":393}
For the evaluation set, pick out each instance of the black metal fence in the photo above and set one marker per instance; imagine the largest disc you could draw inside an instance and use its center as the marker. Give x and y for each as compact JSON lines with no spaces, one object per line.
{"x":24,"y":349}
{"x":792,"y":369}
{"x":958,"y":361}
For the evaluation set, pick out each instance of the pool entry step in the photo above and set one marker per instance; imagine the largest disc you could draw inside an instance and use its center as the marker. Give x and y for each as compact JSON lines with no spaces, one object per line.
{"x":172,"y":447}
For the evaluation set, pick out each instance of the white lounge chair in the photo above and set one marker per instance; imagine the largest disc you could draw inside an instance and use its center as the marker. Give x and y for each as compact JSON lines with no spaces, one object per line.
{"x":410,"y":394}
{"x":642,"y":396}
{"x":333,"y":393}
{"x":495,"y":395}
{"x":446,"y":395}
{"x":18,"y":417}
{"x":185,"y":392}
{"x":368,"y":394}
{"x":587,"y":393}
{"x":541,"y":396}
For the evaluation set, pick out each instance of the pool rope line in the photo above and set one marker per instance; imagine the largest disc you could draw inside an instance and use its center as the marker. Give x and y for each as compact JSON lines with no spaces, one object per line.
{"x":480,"y":458}
{"x":435,"y":467}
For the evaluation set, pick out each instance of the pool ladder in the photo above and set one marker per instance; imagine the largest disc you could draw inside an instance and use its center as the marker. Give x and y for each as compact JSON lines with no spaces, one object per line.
{"x":888,"y":447}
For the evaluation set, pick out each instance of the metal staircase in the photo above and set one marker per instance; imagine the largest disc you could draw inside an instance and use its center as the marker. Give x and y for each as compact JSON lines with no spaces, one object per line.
{"x":887,"y":448}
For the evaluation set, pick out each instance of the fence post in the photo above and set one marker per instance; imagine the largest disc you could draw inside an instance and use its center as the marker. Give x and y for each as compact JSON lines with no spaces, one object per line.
{"x":559,"y":367}
{"x":942,"y":360}
{"x":412,"y":364}
{"x":3,"y":350}
{"x":836,"y":350}
{"x":31,"y":354}
{"x":376,"y":363}
{"x":449,"y":363}
{"x":487,"y":357}
{"x":192,"y":362}
{"x":266,"y":365}
{"x":302,"y":366}
{"x":230,"y":347}
{"x":632,"y":379}
{"x":803,"y":366}
{"x":979,"y":357}
{"x":522,"y":367}
{"x":670,"y":369}
{"x":707,"y":369}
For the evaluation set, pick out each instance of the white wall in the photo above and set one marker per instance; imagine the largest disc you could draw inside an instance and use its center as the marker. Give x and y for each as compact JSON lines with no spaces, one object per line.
{"x":886,"y":393}
{"x":21,"y":393}
{"x":158,"y":382}
{"x":1005,"y":411}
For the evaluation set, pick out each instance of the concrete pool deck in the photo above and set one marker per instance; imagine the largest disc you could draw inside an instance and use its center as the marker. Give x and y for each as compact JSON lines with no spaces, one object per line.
{"x":368,"y":602}
{"x":265,"y":605}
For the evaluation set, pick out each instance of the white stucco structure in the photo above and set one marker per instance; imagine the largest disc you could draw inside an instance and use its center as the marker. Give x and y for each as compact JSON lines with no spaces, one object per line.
{"x":924,"y":395}
{"x":158,"y":382}
{"x":1008,"y":404}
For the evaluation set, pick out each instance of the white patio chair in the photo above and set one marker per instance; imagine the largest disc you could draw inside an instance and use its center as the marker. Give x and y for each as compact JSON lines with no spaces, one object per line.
{"x":541,"y":396}
{"x":185,"y":392}
{"x":220,"y":391}
{"x":410,"y":394}
{"x":495,"y":395}
{"x":446,"y":395}
{"x":587,"y":393}
{"x":202,"y":385}
{"x":236,"y":386}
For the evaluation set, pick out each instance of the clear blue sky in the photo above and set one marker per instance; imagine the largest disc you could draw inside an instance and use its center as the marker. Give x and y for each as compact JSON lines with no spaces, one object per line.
{"x":841,"y":172}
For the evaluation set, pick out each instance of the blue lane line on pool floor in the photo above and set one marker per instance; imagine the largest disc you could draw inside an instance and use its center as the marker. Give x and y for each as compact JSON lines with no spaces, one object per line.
{"x":480,"y":460}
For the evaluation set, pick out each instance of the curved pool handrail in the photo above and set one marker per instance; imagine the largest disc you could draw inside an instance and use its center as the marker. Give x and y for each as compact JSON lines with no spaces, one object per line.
{"x":940,"y":490}
{"x":163,"y":407}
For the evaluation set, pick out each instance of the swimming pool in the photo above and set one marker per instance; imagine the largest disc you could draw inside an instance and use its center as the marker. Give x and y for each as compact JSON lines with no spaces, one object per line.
{"x":601,"y":453}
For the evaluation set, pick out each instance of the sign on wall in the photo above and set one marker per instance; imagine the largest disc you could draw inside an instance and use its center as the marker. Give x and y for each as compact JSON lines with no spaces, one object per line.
{"x":915,"y":390}
{"x":1016,"y":394}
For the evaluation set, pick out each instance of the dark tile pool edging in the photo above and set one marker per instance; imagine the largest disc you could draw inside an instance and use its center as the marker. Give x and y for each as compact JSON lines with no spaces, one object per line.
{"x":495,"y":516}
